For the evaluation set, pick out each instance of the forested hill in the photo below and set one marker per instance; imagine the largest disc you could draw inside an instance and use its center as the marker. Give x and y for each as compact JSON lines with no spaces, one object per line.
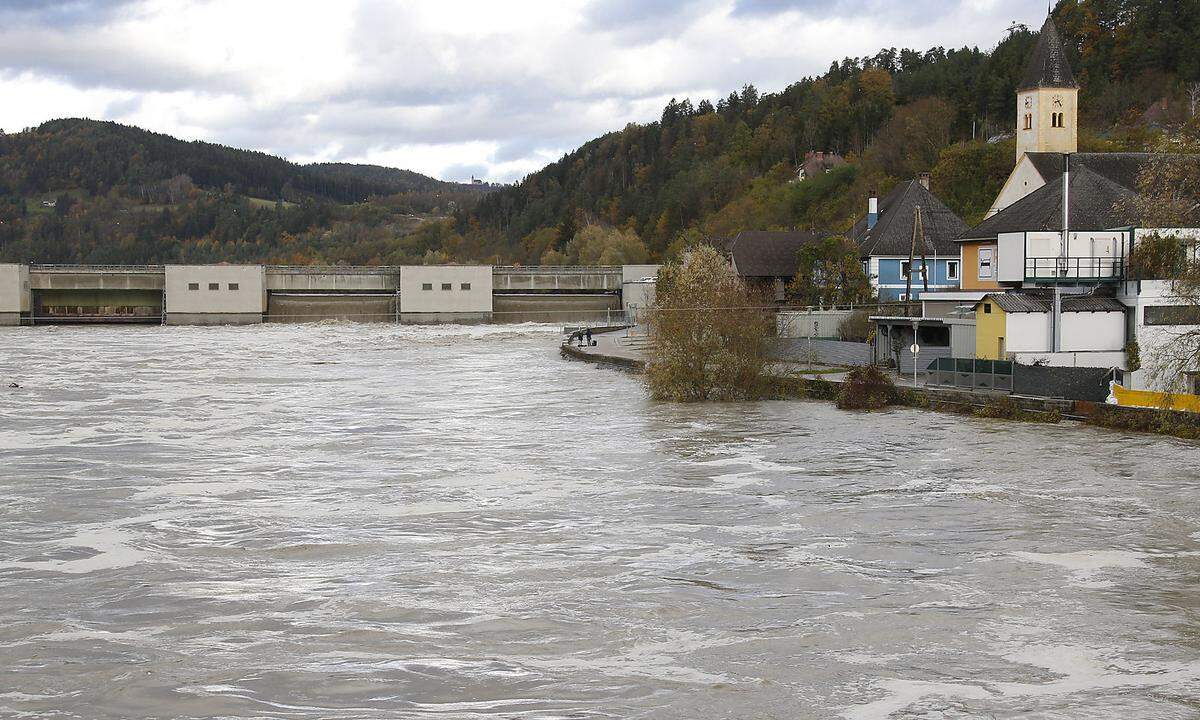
{"x":707,"y":169}
{"x":99,"y":156}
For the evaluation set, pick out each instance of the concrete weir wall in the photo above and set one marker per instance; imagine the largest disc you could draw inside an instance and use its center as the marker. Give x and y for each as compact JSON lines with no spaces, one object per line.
{"x":215,"y":294}
{"x":445,"y":293}
{"x":239,"y":294}
{"x":14,"y":293}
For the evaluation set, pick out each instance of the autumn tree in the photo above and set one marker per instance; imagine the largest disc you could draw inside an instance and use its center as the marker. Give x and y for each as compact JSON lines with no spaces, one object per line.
{"x":830,"y":273}
{"x":708,"y":332}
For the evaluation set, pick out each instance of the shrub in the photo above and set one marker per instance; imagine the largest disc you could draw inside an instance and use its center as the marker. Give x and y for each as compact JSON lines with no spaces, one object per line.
{"x":856,"y":327}
{"x":1003,"y":408}
{"x":866,"y":388}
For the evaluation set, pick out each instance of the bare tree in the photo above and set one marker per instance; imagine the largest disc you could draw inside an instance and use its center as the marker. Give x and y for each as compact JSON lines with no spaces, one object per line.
{"x":1193,"y":93}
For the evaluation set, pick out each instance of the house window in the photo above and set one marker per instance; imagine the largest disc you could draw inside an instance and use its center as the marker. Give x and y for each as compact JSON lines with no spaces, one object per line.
{"x":193,"y":286}
{"x":1172,"y":315}
{"x":233,"y":286}
{"x":952,"y":270}
{"x":905,"y":269}
{"x":214,"y":286}
{"x":464,"y":286}
{"x":987,"y":308}
{"x":986,"y":255}
{"x":447,"y":286}
{"x":1028,"y":121}
{"x":426,"y":286}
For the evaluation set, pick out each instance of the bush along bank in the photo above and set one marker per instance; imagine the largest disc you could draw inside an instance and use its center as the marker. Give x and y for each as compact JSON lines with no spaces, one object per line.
{"x":869,"y":388}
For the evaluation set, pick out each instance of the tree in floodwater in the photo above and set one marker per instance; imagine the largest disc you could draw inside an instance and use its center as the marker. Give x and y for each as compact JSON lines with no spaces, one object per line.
{"x":709,"y":332}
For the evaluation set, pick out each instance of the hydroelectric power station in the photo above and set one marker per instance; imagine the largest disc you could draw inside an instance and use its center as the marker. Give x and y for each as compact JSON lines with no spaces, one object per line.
{"x":244,"y":294}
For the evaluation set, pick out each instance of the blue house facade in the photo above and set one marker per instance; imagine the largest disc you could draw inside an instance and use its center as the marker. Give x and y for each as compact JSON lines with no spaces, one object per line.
{"x":888,"y":275}
{"x":885,"y":238}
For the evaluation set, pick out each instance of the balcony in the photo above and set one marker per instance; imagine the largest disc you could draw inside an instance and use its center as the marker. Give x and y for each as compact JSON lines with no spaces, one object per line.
{"x":1072,"y":269}
{"x":1040,"y":257}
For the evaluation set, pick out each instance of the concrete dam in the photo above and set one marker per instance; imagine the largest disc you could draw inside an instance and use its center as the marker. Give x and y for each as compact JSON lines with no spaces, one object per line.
{"x":242,"y":294}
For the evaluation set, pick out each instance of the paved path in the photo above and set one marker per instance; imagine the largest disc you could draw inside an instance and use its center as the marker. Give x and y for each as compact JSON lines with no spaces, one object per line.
{"x":628,"y":349}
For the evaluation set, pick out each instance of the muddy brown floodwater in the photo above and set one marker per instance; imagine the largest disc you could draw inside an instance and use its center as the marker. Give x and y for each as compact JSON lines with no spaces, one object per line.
{"x":361,"y":521}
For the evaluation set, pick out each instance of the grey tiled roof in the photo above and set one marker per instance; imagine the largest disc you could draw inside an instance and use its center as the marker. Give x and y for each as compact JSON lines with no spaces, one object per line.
{"x":1120,"y":167}
{"x":892,"y":234}
{"x":1093,"y":200}
{"x":1048,"y":66}
{"x":1039,"y":301}
{"x":759,"y":253}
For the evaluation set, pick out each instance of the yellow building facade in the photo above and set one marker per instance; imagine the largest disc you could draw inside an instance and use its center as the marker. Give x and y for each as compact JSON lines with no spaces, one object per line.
{"x":991,"y":328}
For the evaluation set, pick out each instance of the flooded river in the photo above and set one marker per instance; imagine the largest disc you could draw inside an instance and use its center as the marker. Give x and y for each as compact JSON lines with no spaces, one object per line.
{"x":345,"y":521}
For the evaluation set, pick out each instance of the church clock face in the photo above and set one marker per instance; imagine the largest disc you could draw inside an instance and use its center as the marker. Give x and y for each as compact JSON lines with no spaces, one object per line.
{"x":1057,"y":101}
{"x":1028,"y":102}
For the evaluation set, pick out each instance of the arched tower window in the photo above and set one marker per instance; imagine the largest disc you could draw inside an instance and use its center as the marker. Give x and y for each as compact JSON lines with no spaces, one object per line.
{"x":1028,"y":121}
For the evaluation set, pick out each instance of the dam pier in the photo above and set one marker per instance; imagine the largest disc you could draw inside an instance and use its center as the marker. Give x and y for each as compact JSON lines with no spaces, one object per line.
{"x":247,"y":294}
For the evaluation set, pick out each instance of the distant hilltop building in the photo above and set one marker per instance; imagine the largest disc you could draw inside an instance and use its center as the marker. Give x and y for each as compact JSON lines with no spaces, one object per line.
{"x":476,"y":181}
{"x":818,"y":162}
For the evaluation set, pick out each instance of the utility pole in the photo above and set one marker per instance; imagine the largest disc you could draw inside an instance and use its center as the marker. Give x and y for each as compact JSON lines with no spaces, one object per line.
{"x":918,"y":231}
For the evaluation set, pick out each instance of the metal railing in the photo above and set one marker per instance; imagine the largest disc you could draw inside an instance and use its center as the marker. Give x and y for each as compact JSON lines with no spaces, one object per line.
{"x":333,"y":269}
{"x":555,"y":269}
{"x":971,"y":374}
{"x":1074,"y":268}
{"x":97,"y":268}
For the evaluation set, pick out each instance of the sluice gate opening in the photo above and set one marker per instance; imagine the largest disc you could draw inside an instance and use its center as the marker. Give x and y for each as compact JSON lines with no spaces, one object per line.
{"x":97,"y":306}
{"x":295,"y":307}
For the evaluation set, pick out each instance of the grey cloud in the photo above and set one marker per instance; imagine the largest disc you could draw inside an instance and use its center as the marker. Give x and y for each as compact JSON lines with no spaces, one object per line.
{"x":874,"y":10}
{"x":65,"y":13}
{"x":644,"y":21}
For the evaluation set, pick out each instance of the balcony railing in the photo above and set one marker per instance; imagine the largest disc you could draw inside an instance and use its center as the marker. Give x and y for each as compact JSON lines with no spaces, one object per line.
{"x":1074,"y":268}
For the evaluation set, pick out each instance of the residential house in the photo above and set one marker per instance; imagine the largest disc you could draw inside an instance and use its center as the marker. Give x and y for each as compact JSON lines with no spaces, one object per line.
{"x":769,"y":259}
{"x":818,"y":163}
{"x":1023,"y":243}
{"x":885,"y":240}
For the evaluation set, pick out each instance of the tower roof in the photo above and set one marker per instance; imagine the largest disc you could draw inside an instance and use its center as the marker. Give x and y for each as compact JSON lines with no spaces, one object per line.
{"x":1048,"y":66}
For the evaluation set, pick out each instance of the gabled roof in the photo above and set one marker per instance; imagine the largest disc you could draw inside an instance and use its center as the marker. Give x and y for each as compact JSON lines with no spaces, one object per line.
{"x":1120,"y":167}
{"x":760,"y":253}
{"x":1048,"y":66}
{"x":1042,"y":300}
{"x":1092,"y":207}
{"x":892,"y":234}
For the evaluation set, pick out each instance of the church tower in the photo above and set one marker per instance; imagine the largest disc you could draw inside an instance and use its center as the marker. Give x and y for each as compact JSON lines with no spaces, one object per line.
{"x":1047,"y":99}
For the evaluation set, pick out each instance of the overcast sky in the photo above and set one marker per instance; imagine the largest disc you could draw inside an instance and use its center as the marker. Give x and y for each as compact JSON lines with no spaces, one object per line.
{"x":450,"y":88}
